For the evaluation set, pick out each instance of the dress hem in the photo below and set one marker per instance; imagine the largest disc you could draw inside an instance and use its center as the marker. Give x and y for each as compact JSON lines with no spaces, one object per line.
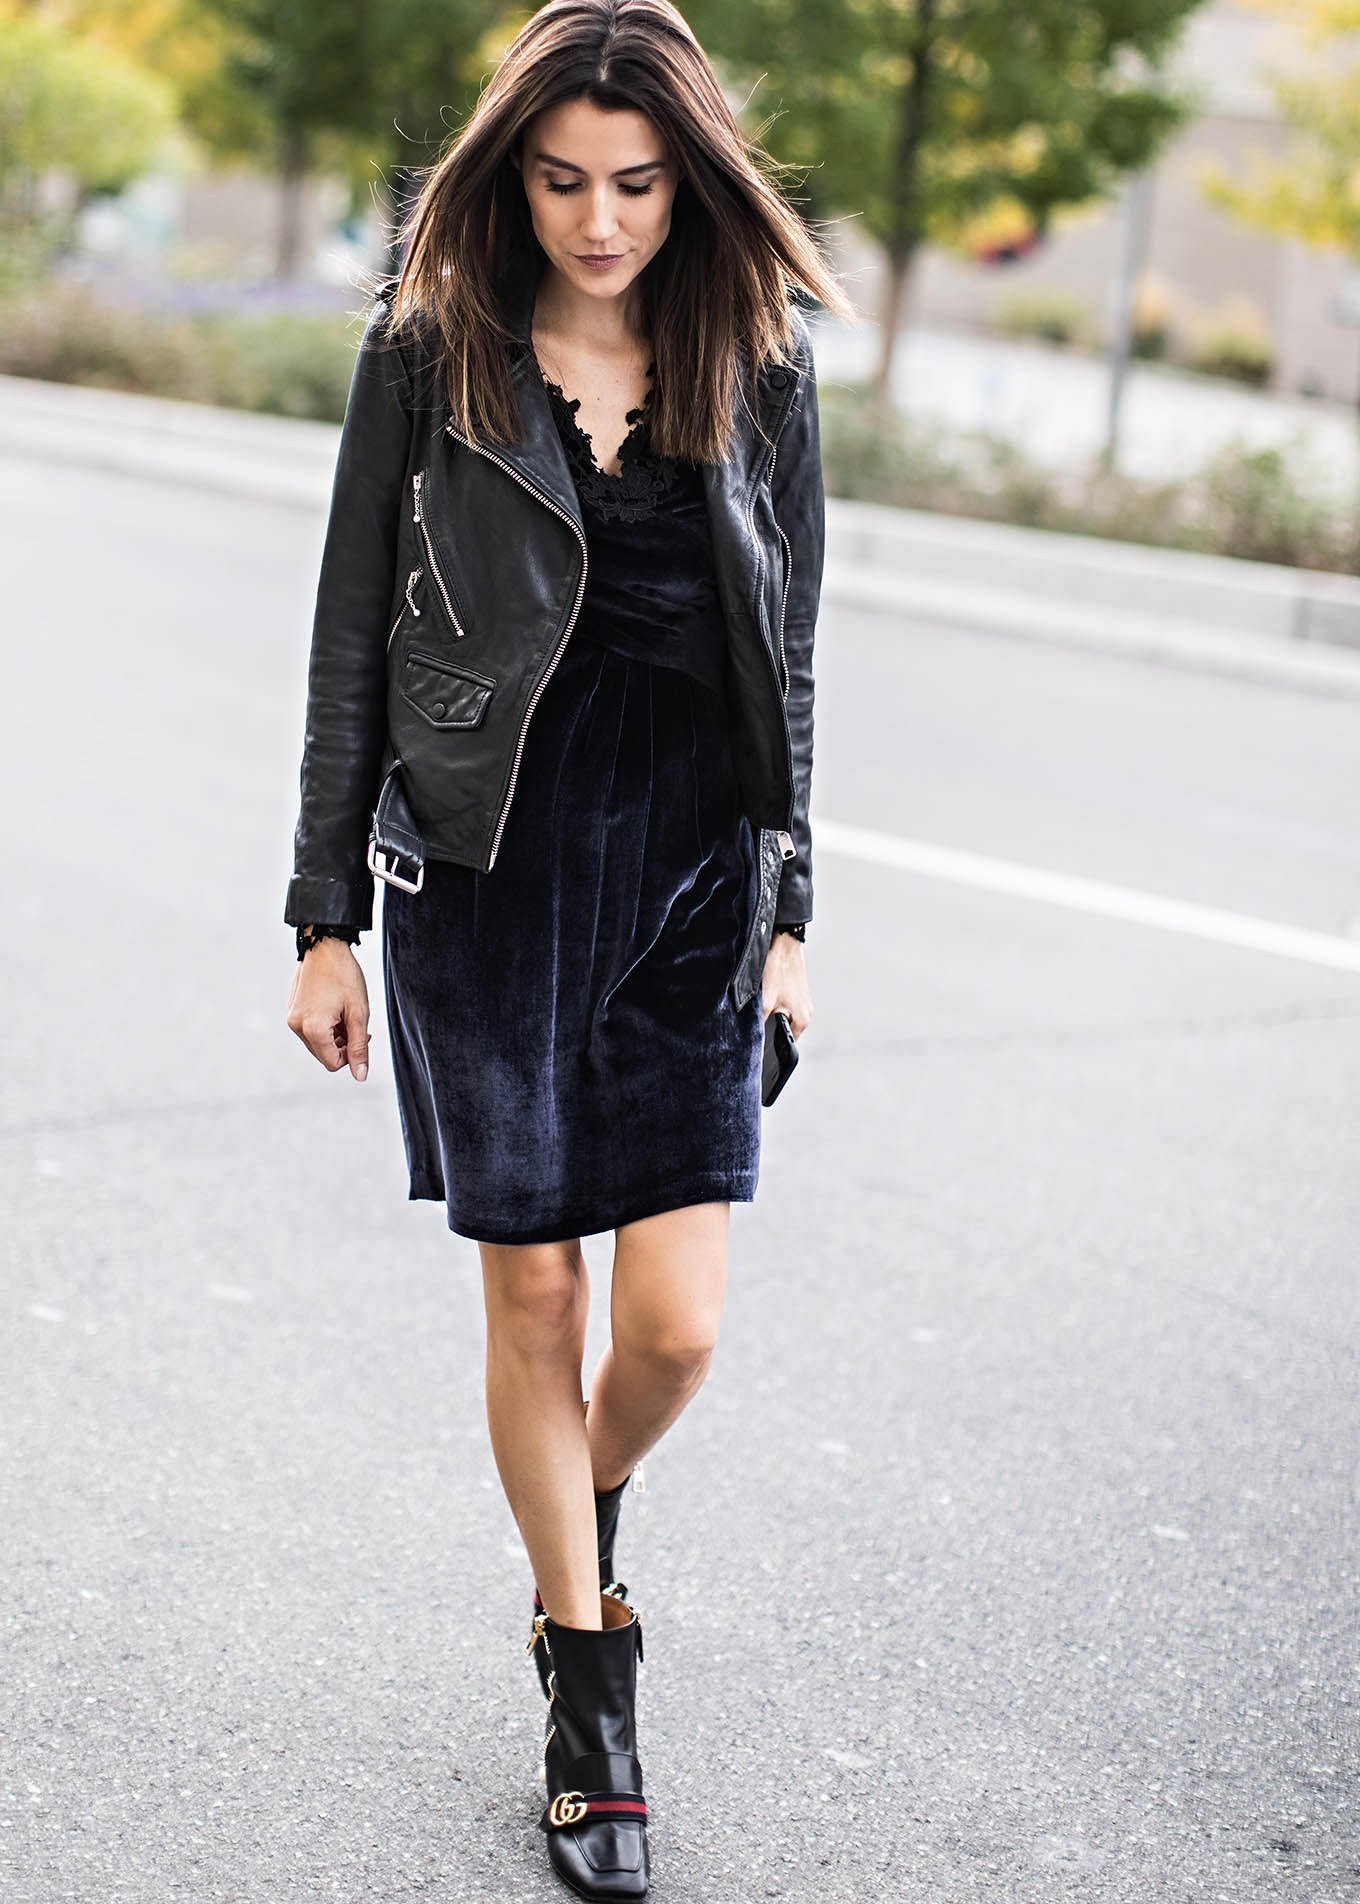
{"x":724,"y":1186}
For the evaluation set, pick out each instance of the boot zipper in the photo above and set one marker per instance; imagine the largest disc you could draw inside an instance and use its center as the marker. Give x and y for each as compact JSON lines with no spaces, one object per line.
{"x":557,"y":653}
{"x":418,"y":517}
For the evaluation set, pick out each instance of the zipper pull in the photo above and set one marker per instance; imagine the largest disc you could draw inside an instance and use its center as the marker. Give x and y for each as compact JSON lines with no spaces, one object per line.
{"x":411,"y":581}
{"x":787,"y":848}
{"x":639,"y":1480}
{"x":415,"y":495}
{"x":540,"y":1625}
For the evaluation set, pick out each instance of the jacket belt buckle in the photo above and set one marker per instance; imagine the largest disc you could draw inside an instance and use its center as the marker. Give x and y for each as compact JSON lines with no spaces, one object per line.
{"x":383,"y":864}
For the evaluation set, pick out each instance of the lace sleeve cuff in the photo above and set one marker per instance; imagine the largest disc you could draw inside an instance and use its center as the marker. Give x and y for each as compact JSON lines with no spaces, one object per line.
{"x":308,"y":936}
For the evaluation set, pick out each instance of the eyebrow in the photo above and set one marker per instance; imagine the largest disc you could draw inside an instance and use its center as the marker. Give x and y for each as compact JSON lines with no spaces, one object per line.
{"x":649,"y":165}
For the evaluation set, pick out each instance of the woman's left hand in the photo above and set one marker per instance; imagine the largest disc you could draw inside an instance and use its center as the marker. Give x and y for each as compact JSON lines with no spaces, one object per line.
{"x":784,"y":985}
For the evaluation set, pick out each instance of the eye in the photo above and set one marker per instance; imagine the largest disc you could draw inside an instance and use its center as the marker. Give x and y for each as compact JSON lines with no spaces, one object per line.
{"x":636,"y":191}
{"x":553,"y":186}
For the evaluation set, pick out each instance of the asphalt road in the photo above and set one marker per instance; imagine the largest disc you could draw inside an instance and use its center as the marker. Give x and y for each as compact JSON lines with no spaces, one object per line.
{"x":1009,"y":1553}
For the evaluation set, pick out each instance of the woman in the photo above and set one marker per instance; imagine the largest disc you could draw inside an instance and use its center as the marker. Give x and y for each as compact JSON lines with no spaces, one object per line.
{"x":575,"y":681}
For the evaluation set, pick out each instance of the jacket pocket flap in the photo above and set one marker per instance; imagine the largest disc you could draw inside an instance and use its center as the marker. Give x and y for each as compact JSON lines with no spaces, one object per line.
{"x":446,"y":696}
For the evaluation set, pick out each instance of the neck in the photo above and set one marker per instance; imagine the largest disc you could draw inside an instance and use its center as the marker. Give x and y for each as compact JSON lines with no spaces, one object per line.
{"x":607,"y":325}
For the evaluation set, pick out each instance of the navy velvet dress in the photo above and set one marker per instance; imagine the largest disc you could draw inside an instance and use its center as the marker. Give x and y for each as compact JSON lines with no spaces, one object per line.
{"x":567,"y":1053}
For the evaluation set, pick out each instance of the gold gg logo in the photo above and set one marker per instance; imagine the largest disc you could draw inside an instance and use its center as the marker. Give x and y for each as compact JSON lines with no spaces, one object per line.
{"x":568,"y":1808}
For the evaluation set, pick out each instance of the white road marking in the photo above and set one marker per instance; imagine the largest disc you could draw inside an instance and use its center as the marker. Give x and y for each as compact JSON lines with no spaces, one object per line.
{"x":1087,"y":895}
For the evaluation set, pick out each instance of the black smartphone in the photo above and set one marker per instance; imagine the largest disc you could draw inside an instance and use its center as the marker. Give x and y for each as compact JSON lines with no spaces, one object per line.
{"x":781,"y":1055}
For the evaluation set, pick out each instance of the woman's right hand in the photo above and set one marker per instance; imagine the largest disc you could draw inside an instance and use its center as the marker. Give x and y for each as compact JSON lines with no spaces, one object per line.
{"x":328,"y":1007}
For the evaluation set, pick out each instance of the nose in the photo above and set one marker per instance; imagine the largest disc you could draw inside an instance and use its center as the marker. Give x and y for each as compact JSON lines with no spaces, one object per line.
{"x":600,"y":221}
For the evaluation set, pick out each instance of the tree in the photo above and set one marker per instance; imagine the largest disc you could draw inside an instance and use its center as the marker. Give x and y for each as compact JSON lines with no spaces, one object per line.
{"x":1313,"y":191}
{"x":67,"y":105}
{"x":348,"y":80}
{"x":919,"y":116}
{"x":189,"y":44}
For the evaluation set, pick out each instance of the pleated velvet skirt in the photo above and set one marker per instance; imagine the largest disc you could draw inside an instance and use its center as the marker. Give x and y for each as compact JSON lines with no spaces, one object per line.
{"x":568,"y":1056}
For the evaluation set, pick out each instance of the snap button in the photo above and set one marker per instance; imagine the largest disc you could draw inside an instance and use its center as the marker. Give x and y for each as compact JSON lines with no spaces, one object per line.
{"x":778,"y":379}
{"x":439,"y":710}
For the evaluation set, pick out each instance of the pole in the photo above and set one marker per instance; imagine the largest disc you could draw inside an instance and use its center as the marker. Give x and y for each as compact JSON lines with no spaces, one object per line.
{"x":1132,"y":251}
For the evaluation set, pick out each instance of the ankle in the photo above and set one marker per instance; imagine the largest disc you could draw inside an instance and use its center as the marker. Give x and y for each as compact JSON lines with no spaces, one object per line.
{"x":582,"y":1616}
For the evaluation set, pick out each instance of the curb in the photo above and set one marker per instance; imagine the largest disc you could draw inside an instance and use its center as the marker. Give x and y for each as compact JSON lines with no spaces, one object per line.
{"x":1250,"y":620}
{"x":1254,"y":620}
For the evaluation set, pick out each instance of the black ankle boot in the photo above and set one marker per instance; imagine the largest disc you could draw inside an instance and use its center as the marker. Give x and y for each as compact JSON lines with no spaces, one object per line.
{"x":596,"y":1815}
{"x":607,"y":1507}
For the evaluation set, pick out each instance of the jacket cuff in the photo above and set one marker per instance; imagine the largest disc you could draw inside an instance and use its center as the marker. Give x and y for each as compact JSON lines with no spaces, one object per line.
{"x":330,"y":902}
{"x":793,"y":905}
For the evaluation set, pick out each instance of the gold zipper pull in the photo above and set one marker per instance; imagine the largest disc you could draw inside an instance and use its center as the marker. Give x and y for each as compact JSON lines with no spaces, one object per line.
{"x":540,"y":1627}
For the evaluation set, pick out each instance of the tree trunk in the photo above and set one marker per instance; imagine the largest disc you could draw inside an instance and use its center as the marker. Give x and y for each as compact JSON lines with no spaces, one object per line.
{"x":293,"y":157}
{"x":897,"y":282}
{"x":907,"y":226}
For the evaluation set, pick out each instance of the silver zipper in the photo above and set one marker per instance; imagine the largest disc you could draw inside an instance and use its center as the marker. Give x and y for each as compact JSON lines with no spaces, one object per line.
{"x":411,"y":581}
{"x":781,"y":679}
{"x":418,"y":517}
{"x":549,"y":671}
{"x":783,"y":607}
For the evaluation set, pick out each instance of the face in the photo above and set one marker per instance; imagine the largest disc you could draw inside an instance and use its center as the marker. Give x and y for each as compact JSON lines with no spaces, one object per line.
{"x":600,"y":186}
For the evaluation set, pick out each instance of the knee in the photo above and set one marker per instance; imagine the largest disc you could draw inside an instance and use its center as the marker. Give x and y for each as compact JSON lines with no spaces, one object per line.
{"x":677,"y":1349}
{"x":536,"y":1300}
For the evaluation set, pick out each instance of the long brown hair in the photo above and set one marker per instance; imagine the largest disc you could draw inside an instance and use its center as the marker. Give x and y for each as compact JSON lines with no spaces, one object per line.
{"x":720,"y":285}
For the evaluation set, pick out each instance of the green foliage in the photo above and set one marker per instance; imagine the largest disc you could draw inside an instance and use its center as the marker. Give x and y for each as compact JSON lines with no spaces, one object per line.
{"x":382,"y":82}
{"x":1053,"y":315}
{"x":287,"y":364}
{"x":191,"y":47}
{"x":1313,"y":192}
{"x":1251,"y":503}
{"x":67,"y":103}
{"x":917,"y":115}
{"x":1244,"y":502}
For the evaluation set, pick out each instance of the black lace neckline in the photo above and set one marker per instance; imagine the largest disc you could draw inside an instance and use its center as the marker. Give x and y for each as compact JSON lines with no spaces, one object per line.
{"x":632,"y":492}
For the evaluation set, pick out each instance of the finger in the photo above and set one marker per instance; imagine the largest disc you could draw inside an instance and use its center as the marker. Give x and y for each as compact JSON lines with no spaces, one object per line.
{"x":356,"y":1042}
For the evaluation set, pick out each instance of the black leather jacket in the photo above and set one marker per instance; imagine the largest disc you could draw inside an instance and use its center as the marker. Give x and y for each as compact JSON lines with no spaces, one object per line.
{"x":450,"y":582}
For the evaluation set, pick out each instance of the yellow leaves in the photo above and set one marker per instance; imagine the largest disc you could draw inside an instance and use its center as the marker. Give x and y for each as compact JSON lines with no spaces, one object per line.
{"x":1313,"y":191}
{"x":1301,"y":199}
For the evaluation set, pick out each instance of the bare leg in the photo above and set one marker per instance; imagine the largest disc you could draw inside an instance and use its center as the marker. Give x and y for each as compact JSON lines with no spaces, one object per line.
{"x":537,"y":1298}
{"x":670,"y":1276}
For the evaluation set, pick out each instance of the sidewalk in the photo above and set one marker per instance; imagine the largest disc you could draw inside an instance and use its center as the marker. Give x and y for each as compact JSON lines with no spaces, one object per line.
{"x":1053,"y":403}
{"x":1245,"y":619}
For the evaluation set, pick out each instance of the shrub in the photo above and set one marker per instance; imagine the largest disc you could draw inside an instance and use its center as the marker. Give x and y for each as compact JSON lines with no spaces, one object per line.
{"x":290,"y":364}
{"x":286,"y":363}
{"x":1233,"y":342}
{"x":1151,"y":320}
{"x":63,"y":334}
{"x":1244,"y":502}
{"x":1051,"y":314}
{"x":1248,"y":502}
